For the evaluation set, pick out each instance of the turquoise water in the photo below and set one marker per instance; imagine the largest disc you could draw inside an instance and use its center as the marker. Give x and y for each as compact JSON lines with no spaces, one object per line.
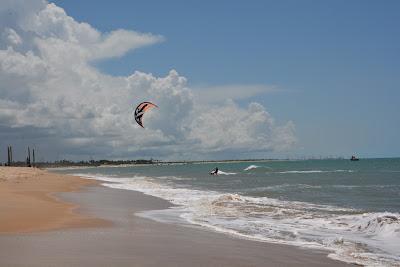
{"x":349,"y":208}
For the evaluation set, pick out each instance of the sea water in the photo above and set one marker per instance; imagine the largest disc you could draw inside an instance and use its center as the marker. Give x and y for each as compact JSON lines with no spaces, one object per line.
{"x":351,"y":209}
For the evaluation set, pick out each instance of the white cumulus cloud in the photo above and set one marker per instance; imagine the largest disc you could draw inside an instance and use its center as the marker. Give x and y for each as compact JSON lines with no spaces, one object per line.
{"x":53,"y":98}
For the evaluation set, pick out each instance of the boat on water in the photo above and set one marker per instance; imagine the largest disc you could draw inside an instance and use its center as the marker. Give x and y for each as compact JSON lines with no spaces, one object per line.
{"x":353,"y":158}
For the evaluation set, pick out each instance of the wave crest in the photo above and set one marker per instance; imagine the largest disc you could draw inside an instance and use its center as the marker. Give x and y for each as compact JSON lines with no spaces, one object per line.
{"x":364,"y":238}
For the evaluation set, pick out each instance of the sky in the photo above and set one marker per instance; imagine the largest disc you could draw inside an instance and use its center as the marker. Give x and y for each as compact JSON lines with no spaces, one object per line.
{"x":233,"y":79}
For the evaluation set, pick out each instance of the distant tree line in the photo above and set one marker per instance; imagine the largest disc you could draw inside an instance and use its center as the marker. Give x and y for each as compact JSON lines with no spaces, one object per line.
{"x":30,"y":161}
{"x":93,"y":163}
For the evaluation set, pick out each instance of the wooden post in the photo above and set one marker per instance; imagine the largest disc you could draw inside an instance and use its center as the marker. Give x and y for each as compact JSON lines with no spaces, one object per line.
{"x":11,"y":156}
{"x":33,"y":157}
{"x":8,"y":156}
{"x":28,"y":159}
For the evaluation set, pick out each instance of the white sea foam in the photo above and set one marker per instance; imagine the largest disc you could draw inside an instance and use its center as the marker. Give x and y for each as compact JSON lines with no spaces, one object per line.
{"x":257,"y":168}
{"x":282,"y":187}
{"x":314,"y":171}
{"x":371,"y":239}
{"x":366,"y":186}
{"x":66,"y":168}
{"x":226,"y":173}
{"x":251,"y":167}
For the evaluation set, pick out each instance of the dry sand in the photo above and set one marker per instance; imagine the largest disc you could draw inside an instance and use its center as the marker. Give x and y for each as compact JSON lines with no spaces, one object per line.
{"x":28,"y":203}
{"x":132,"y":240}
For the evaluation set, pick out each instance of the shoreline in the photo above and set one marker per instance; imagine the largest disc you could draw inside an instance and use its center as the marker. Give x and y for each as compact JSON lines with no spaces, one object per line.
{"x":73,"y":165}
{"x":134,"y":240}
{"x":29,"y":201}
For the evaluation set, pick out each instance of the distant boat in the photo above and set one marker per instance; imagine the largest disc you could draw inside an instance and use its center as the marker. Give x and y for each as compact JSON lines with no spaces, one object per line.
{"x":353,"y":158}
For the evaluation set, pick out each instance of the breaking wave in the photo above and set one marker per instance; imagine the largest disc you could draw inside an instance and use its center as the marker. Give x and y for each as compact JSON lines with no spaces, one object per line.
{"x":350,"y":235}
{"x":251,"y":167}
{"x":314,"y":171}
{"x":257,"y":168}
{"x":282,"y":187}
{"x":226,"y":173}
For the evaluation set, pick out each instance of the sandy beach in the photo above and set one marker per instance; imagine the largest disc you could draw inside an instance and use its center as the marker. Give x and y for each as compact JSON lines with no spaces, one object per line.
{"x":54,"y":220}
{"x":28,"y":201}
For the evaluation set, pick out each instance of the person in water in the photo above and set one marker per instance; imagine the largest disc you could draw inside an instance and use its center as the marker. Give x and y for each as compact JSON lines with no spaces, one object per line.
{"x":215,"y":172}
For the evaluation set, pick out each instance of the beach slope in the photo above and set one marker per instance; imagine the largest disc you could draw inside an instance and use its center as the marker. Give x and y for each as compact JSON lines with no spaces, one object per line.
{"x":28,"y":202}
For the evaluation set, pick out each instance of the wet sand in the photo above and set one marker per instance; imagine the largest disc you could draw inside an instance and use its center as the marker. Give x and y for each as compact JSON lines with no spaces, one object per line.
{"x":28,"y":202}
{"x":137,"y":241}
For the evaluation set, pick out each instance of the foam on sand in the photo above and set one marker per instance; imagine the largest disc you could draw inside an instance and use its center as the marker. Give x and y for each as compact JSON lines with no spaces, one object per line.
{"x":350,"y":235}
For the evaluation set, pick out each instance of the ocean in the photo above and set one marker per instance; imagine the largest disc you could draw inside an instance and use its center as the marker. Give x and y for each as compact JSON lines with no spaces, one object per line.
{"x":351,"y":209}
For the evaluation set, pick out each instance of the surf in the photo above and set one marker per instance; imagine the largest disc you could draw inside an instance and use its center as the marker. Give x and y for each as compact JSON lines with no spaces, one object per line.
{"x":373,"y":237}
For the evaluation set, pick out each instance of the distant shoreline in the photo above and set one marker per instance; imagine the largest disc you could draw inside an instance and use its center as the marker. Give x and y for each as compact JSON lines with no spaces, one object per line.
{"x":122,"y":163}
{"x":143,"y":162}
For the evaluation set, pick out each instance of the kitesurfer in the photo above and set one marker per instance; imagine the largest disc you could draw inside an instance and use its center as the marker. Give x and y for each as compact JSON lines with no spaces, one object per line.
{"x":215,"y":171}
{"x":141,"y":109}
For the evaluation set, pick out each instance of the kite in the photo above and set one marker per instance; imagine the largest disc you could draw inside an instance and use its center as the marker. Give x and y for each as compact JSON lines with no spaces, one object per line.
{"x":141,"y":109}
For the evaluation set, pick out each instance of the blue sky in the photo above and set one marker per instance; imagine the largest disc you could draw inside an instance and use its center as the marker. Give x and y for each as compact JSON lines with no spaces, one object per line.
{"x":233,"y":79}
{"x":337,"y":63}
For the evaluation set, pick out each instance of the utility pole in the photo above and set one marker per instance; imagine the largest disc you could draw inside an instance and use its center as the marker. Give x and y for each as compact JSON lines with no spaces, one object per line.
{"x":8,"y":156}
{"x":33,"y":157}
{"x":28,"y":159}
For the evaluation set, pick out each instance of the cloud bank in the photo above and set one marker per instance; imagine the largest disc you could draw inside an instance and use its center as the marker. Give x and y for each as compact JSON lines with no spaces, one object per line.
{"x":52,"y":97}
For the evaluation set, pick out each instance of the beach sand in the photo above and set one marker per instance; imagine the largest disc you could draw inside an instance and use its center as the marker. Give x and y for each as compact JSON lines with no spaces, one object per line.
{"x":131,"y":240}
{"x":28,"y":201}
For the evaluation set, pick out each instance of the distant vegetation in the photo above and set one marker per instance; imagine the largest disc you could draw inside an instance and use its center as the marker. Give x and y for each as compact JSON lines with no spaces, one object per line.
{"x":105,"y":162}
{"x":69,"y":163}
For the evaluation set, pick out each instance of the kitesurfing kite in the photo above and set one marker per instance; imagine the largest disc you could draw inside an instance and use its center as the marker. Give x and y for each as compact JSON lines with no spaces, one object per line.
{"x":141,"y":109}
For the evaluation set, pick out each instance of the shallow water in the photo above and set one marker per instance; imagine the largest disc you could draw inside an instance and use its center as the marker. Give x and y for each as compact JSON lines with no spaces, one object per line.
{"x":349,"y":208}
